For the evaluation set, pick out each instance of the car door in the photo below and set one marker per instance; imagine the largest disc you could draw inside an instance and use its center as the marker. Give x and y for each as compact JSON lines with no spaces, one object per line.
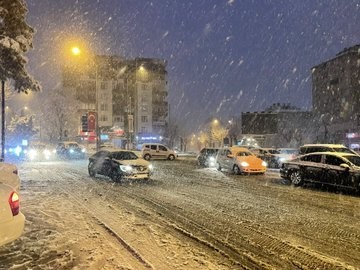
{"x":333,"y":173}
{"x":154,"y":151}
{"x":163,"y":152}
{"x":311,"y":167}
{"x":99,"y":162}
{"x":220,"y":158}
{"x":106,"y":163}
{"x":229,"y":160}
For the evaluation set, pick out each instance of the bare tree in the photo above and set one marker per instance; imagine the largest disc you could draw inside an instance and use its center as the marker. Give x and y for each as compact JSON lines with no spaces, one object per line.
{"x":218,"y":133}
{"x":58,"y":116}
{"x":204,"y":139}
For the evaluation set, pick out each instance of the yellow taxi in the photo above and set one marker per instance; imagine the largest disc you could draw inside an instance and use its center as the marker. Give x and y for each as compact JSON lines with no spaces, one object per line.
{"x":240,"y":160}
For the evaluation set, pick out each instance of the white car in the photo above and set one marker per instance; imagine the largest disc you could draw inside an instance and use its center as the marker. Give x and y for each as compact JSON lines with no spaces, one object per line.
{"x":12,"y":221}
{"x":119,"y":164}
{"x":40,"y":152}
{"x":157,"y":151}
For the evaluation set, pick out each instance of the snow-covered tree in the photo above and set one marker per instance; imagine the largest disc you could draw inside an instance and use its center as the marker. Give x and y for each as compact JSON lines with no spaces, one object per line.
{"x":15,"y":40}
{"x":21,"y":127}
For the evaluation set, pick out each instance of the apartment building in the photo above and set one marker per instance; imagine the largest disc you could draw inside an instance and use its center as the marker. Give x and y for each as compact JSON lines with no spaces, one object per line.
{"x":283,"y":128}
{"x":129,"y":95}
{"x":336,"y":95}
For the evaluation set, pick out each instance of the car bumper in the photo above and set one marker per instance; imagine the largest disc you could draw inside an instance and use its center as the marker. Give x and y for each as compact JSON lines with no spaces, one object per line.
{"x":11,"y":230}
{"x":253,"y":170}
{"x":137,"y":176}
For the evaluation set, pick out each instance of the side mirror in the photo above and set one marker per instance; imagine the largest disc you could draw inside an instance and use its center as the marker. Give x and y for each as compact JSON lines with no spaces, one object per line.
{"x":230,"y":156}
{"x":345,"y":166}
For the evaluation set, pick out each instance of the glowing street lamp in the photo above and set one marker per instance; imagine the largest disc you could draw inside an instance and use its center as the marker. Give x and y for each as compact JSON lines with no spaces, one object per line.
{"x":76,"y":51}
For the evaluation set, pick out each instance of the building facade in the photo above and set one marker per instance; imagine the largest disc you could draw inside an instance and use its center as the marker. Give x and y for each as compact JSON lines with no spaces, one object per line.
{"x":276,"y":129}
{"x":336,"y":95}
{"x":129,"y":96}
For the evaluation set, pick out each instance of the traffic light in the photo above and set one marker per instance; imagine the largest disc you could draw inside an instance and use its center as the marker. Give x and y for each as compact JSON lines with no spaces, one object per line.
{"x":84,"y":123}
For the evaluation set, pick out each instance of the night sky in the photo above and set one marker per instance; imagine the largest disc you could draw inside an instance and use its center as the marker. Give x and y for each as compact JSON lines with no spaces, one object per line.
{"x":224,"y":57}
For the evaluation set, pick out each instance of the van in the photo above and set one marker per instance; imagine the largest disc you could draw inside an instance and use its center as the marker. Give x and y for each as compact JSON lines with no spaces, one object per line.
{"x":157,"y":151}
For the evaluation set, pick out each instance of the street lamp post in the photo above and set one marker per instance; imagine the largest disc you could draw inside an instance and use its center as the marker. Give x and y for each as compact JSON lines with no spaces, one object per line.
{"x":76,"y":52}
{"x":2,"y":120}
{"x":97,"y":128}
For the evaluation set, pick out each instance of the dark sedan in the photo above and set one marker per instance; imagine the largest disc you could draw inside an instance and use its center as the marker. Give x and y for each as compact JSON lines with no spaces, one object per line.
{"x":207,"y":157}
{"x":70,"y":150}
{"x":331,"y":168}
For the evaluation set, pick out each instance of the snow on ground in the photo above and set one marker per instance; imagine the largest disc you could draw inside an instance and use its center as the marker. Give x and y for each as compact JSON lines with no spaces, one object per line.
{"x":66,"y":230}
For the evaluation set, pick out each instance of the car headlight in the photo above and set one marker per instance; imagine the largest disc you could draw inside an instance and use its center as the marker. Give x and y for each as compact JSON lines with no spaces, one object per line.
{"x":32,"y":153}
{"x":212,"y":159}
{"x":244,"y":164}
{"x":282,"y":159}
{"x":264,"y":164}
{"x":71,"y":151}
{"x":151,"y":167}
{"x":18,"y":150}
{"x":126,"y":168}
{"x":83,"y":150}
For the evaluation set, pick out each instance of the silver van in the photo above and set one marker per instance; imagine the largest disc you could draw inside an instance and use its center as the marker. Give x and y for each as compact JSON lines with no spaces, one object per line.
{"x":157,"y":151}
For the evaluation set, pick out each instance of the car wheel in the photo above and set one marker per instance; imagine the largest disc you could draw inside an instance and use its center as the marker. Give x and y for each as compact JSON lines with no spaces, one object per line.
{"x":218,"y":167}
{"x":147,"y":157}
{"x":171,"y":157}
{"x":296,"y":178}
{"x":236,"y":170}
{"x":92,"y":173}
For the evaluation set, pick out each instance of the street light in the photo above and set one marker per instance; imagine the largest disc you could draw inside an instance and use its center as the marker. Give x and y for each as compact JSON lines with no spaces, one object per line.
{"x":76,"y":51}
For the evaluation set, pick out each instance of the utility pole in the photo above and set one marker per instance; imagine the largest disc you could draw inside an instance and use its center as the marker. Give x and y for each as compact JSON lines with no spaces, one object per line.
{"x":2,"y":159}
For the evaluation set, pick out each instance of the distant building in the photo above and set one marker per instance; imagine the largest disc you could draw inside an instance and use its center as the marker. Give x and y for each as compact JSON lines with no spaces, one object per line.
{"x":279,"y":128}
{"x":129,"y":95}
{"x":336,"y":96}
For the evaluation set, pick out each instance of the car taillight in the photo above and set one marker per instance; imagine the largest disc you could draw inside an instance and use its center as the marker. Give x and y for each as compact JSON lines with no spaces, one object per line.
{"x":14,"y":202}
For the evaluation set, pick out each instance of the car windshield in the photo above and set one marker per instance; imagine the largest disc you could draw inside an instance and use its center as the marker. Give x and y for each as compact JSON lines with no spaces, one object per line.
{"x":244,"y":154}
{"x":343,"y":150}
{"x":73,"y":145}
{"x":274,"y":151}
{"x":123,"y":155}
{"x":134,"y":98}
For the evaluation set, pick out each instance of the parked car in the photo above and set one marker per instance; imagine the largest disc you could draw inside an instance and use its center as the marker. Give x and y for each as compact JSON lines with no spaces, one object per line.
{"x":312,"y":148}
{"x":207,"y":157}
{"x":70,"y":150}
{"x":12,"y":221}
{"x":40,"y":152}
{"x":272,"y":156}
{"x":118,"y":164}
{"x":157,"y":151}
{"x":239,"y":160}
{"x":331,"y":168}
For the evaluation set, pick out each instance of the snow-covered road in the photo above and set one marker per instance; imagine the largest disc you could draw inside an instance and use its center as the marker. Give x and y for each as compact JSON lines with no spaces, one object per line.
{"x":184,"y":218}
